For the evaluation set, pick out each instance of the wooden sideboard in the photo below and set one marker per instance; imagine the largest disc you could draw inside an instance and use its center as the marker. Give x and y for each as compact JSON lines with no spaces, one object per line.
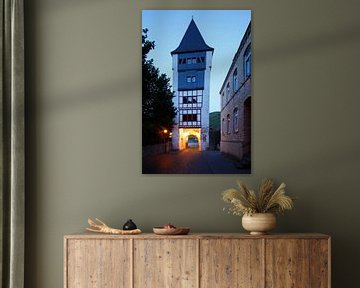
{"x":197,"y":260}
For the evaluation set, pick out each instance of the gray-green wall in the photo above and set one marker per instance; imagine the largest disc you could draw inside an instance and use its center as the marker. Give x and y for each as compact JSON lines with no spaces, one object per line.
{"x":84,"y":126}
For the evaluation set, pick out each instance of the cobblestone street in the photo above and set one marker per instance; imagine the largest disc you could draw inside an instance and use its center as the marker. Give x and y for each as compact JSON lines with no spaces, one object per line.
{"x":191,"y":161}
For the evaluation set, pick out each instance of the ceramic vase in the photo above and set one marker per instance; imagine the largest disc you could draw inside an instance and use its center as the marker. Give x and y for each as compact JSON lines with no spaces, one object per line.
{"x":259,"y":223}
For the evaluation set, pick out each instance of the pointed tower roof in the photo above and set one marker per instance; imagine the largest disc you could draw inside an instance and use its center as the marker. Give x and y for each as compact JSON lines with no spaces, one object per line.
{"x":192,"y":41}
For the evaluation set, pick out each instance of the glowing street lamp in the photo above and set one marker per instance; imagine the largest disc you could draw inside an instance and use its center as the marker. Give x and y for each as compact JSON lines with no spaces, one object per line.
{"x":164,"y":139}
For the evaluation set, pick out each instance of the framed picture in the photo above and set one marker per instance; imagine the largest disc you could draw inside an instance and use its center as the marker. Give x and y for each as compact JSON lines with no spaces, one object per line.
{"x":196,"y":91}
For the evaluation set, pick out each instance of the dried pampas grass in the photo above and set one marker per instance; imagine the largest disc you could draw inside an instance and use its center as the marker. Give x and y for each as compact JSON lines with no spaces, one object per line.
{"x":245,"y":201}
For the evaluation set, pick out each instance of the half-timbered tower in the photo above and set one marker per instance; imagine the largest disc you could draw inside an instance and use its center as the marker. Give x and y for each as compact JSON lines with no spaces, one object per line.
{"x":191,"y":64}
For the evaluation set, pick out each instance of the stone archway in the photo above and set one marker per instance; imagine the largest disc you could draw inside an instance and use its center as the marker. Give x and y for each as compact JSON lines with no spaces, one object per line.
{"x":193,"y":141}
{"x":185,"y":133}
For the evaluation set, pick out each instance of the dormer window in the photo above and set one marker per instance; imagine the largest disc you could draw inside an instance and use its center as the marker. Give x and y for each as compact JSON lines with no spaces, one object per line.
{"x":193,"y":79}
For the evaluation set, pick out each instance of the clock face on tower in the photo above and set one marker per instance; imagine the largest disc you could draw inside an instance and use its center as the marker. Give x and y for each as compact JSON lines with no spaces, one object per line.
{"x":205,"y":106}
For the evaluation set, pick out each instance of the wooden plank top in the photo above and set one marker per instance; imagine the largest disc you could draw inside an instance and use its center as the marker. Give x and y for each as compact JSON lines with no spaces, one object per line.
{"x":88,"y":235}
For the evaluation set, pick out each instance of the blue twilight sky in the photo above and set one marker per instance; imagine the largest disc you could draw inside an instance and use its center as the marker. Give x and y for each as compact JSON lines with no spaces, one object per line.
{"x":221,"y":29}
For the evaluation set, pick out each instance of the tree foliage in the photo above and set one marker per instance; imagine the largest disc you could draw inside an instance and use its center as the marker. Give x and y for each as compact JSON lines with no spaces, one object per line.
{"x":158,"y":110}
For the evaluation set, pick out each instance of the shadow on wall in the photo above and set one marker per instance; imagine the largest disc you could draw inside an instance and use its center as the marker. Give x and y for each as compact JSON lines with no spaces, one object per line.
{"x":93,"y":95}
{"x":309,"y":45}
{"x":55,"y":4}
